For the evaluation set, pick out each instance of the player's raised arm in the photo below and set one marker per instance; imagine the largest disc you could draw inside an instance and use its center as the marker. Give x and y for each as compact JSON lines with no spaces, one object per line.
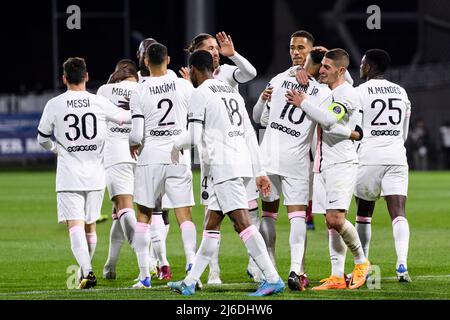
{"x":245,"y":70}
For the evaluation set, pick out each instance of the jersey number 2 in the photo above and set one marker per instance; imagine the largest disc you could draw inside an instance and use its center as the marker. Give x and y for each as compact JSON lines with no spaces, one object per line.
{"x":170,"y":104}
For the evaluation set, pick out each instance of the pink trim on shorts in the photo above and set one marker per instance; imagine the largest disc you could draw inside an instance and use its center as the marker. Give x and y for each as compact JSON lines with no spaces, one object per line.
{"x":188,"y":225}
{"x":91,"y":237}
{"x":363,"y":219}
{"x":297,"y":214}
{"x":252,"y":204}
{"x":270,"y":214}
{"x":141,"y":227}
{"x":207,"y":234}
{"x":400,"y":218}
{"x":123,"y":211}
{"x":76,"y":229}
{"x":247,"y":233}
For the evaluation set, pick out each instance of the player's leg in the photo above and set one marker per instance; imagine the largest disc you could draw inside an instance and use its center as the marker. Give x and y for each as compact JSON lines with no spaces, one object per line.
{"x":253,"y":210}
{"x":158,"y":253}
{"x":209,"y":244}
{"x":116,"y":238}
{"x":179,"y":192}
{"x":394,"y":188}
{"x":257,"y":249}
{"x":363,"y":223}
{"x":400,"y":228}
{"x":91,"y":238}
{"x":126,"y":215}
{"x":93,"y":205}
{"x":141,"y":245}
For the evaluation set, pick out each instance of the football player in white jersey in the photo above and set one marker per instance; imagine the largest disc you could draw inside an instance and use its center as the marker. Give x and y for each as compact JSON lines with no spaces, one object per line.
{"x":286,"y":150}
{"x":335,"y":164}
{"x":159,"y":112}
{"x":217,"y":115}
{"x":158,"y":213}
{"x":78,"y":121}
{"x":242,"y":72}
{"x":119,"y":164}
{"x":383,"y":167}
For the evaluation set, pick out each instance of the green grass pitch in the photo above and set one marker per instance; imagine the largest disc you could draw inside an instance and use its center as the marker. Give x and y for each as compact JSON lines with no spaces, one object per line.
{"x":35,"y":250}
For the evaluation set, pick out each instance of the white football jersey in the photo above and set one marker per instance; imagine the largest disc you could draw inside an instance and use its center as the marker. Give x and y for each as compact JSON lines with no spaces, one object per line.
{"x":142,"y":79}
{"x":117,"y":149}
{"x":225,"y":73}
{"x":163,"y":103}
{"x":225,"y":120}
{"x":385,"y":105}
{"x":78,"y":119}
{"x":289,"y":132}
{"x":331,"y":149}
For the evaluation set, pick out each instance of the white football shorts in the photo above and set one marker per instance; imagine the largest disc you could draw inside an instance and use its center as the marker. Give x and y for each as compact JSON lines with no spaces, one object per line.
{"x":79,"y":205}
{"x":333,"y":187}
{"x":120,"y":179}
{"x":295,"y":191}
{"x":173,"y":181}
{"x":206,"y":189}
{"x":229,"y":195}
{"x":375,"y":181}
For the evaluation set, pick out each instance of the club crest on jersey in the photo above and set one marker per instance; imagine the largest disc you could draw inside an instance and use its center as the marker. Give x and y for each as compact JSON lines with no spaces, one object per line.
{"x":338,"y":110}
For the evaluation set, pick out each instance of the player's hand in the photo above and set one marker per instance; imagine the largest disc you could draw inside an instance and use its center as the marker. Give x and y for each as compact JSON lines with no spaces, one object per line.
{"x":264,"y":185}
{"x":134,"y":151}
{"x":266,"y":95}
{"x":184,"y":72}
{"x":295,"y":97}
{"x":357,"y":134}
{"x":302,"y":76}
{"x":225,"y":44}
{"x":175,"y":156}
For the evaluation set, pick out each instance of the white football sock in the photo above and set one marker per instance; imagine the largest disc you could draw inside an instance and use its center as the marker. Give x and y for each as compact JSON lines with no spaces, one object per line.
{"x":127,"y":218}
{"x":302,"y":266}
{"x":400,"y":228}
{"x":338,"y":250}
{"x":267,"y":229}
{"x":141,"y":243}
{"x":116,"y":238}
{"x":297,"y":237}
{"x":208,"y":246}
{"x":91,"y":239}
{"x":254,"y":219}
{"x":364,"y":229}
{"x":351,"y":239}
{"x":80,"y":248}
{"x":157,"y":232}
{"x":258,"y":251}
{"x":189,"y":236}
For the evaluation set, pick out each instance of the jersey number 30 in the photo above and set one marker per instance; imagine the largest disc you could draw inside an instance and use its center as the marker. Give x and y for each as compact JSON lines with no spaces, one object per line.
{"x":76,"y":121}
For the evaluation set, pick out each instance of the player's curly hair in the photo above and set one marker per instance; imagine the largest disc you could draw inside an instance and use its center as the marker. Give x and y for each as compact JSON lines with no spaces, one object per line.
{"x":197,"y":42}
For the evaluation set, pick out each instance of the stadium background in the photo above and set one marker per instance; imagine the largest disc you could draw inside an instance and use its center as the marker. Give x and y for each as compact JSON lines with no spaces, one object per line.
{"x":35,"y":42}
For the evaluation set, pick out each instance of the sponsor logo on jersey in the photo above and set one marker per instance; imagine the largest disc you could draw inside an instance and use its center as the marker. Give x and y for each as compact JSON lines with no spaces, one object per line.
{"x":285,"y":129}
{"x":91,"y":147}
{"x":385,"y":132}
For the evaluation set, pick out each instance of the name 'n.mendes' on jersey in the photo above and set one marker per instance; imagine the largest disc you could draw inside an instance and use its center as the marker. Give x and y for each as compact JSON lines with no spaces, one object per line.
{"x":386,"y":108}
{"x":289,"y":132}
{"x":333,"y":149}
{"x":225,"y":120}
{"x":163,"y":102}
{"x":78,"y":119}
{"x":116,"y":145}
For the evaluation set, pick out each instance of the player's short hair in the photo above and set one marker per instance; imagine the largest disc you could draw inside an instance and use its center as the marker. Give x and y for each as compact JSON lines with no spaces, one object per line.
{"x":303,"y":34}
{"x":202,"y":60}
{"x":143,"y":46}
{"x":126,"y":63}
{"x":156,"y":53}
{"x":378,"y":58}
{"x":339,"y":56}
{"x":197,"y":41}
{"x":317,"y":55}
{"x":75,"y":70}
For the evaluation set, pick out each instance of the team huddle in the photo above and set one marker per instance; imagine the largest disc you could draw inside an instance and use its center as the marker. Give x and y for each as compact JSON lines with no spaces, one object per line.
{"x":324,"y":142}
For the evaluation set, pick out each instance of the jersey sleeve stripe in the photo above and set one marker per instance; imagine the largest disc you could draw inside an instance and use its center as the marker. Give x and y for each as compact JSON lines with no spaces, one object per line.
{"x":44,"y":135}
{"x":196,"y":120}
{"x":137,"y":116}
{"x":234,"y":77}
